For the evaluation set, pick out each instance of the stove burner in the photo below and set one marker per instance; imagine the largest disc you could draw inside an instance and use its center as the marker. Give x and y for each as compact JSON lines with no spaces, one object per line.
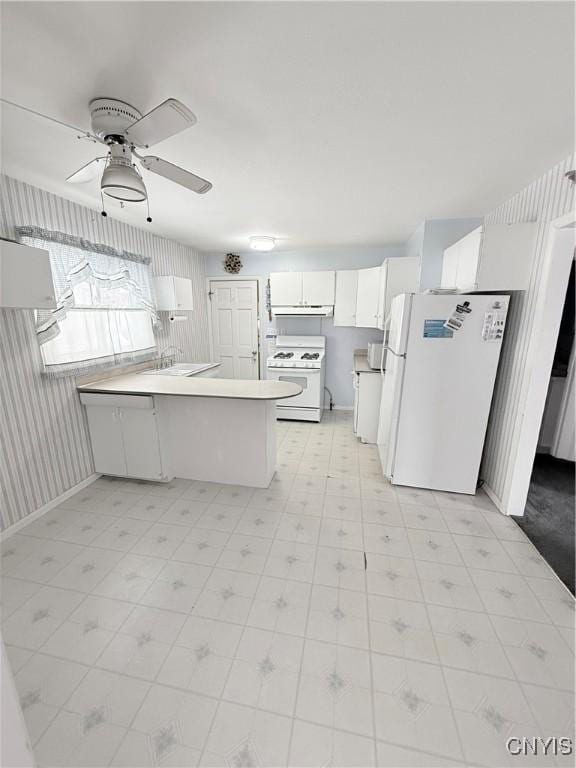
{"x":283,"y":355}
{"x":310,"y":356}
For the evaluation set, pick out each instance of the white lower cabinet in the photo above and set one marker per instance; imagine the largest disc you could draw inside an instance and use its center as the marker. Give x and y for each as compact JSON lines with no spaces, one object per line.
{"x":367,"y":395}
{"x":125,"y":433}
{"x":106,"y":439}
{"x":141,"y":437}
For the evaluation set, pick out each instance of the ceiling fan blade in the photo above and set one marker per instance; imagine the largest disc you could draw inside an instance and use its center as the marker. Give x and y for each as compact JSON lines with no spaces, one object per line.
{"x":88,"y":172}
{"x":81,"y":133}
{"x":163,"y":121}
{"x":176,"y":174}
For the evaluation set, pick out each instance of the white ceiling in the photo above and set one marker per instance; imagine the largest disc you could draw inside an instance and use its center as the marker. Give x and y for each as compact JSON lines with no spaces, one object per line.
{"x":319,"y":123}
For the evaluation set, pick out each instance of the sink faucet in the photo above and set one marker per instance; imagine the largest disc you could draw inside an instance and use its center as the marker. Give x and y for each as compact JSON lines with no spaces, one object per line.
{"x":165,"y":358}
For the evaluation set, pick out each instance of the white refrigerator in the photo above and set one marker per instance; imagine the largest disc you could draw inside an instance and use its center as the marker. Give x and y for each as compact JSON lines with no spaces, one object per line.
{"x":441,"y":361}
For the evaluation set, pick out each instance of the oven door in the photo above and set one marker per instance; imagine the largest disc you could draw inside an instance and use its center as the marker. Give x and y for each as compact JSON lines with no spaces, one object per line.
{"x":307,"y":378}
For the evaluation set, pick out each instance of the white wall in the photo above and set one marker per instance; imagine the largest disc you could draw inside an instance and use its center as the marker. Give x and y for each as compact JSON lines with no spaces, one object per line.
{"x":415,"y":244}
{"x":340,"y":342}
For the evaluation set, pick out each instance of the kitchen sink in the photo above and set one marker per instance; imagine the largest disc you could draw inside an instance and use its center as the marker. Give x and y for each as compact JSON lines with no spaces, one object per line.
{"x":181,"y":369}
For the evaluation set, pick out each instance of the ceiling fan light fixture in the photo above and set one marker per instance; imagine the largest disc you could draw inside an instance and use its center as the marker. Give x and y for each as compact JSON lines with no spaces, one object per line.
{"x":123,"y":182}
{"x":262,"y":243}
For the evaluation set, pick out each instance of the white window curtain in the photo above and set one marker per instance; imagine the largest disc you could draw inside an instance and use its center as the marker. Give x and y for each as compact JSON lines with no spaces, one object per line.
{"x":104,"y":313}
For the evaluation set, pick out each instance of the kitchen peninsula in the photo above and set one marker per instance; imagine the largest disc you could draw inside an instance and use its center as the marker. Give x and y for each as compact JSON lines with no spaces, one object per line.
{"x":158,"y":427}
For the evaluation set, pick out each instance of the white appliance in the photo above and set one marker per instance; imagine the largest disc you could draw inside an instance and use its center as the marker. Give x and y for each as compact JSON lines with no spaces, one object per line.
{"x":299,"y":359}
{"x":375,"y":352}
{"x":442,"y":358}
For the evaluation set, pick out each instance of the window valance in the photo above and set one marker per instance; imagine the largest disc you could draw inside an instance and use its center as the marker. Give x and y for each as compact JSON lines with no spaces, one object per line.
{"x":104,"y":312}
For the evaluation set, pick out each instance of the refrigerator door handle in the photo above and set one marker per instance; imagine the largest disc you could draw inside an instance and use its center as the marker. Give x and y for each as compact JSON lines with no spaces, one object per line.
{"x":387,"y":349}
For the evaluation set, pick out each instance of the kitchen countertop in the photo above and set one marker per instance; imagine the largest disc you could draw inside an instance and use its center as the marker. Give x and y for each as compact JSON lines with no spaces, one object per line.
{"x":192,"y":386}
{"x":361,"y":362}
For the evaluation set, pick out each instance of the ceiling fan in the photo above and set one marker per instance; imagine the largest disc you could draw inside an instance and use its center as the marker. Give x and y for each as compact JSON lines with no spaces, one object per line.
{"x":124,"y":131}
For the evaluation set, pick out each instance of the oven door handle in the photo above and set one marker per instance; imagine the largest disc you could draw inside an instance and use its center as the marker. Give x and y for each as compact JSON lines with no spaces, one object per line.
{"x":301,"y":371}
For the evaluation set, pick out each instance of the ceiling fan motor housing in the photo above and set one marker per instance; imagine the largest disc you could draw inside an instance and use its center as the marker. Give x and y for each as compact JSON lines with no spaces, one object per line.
{"x":112,"y":117}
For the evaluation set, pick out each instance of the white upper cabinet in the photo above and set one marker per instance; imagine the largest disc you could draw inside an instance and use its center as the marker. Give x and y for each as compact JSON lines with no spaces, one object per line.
{"x":318,"y":288}
{"x":368,"y":296}
{"x":345,"y":299}
{"x":400,"y":275}
{"x":173,"y":293}
{"x":495,"y":257}
{"x":286,"y":289}
{"x":450,"y":266}
{"x":377,"y":286}
{"x":361,"y":297}
{"x":25,"y":277}
{"x":506,"y":257}
{"x":294,"y":289}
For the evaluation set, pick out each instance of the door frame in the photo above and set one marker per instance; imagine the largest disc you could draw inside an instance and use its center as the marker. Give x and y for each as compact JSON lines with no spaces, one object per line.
{"x":237,"y":279}
{"x":561,"y":241}
{"x":567,"y":395}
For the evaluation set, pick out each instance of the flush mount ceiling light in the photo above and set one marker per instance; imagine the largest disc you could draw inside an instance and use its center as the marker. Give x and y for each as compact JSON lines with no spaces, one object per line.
{"x":262,"y":243}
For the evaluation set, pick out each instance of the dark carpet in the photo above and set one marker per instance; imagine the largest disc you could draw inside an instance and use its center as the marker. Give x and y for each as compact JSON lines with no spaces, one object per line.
{"x":549,"y":517}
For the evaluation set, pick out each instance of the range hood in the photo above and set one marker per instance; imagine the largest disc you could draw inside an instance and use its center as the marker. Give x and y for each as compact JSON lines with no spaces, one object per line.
{"x":301,"y":311}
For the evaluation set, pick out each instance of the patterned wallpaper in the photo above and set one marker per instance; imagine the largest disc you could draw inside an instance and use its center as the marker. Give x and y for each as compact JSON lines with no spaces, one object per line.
{"x":44,"y":446}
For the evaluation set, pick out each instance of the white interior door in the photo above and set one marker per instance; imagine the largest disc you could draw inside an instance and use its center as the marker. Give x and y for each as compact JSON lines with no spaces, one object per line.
{"x":555,"y":274}
{"x":234,"y":308}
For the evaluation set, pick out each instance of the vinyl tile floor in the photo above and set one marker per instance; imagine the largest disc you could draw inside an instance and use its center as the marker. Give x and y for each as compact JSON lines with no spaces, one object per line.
{"x":330,"y":620}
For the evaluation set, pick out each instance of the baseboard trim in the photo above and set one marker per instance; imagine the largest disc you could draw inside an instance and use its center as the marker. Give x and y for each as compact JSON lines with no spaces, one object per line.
{"x":493,"y":497}
{"x":47,"y":507}
{"x":341,"y":408}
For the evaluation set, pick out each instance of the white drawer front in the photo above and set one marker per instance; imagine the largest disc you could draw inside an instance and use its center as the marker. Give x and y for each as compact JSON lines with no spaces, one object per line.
{"x":117,"y":401}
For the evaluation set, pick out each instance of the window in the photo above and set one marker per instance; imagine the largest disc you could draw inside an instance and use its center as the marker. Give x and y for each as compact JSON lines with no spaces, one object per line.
{"x":104,"y":313}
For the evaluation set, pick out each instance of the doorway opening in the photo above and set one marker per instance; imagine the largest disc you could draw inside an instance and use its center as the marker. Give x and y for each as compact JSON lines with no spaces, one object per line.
{"x":548,"y":520}
{"x":234,"y":327}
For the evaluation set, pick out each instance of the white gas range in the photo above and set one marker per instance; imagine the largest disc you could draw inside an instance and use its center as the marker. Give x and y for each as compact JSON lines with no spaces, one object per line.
{"x":300,"y":359}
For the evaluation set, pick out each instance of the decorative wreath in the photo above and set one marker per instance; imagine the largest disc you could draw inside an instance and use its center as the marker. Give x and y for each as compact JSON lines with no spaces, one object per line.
{"x":232,"y":263}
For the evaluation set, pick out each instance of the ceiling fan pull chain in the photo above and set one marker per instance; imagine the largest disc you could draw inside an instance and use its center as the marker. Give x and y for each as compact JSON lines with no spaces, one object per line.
{"x":103,"y":211}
